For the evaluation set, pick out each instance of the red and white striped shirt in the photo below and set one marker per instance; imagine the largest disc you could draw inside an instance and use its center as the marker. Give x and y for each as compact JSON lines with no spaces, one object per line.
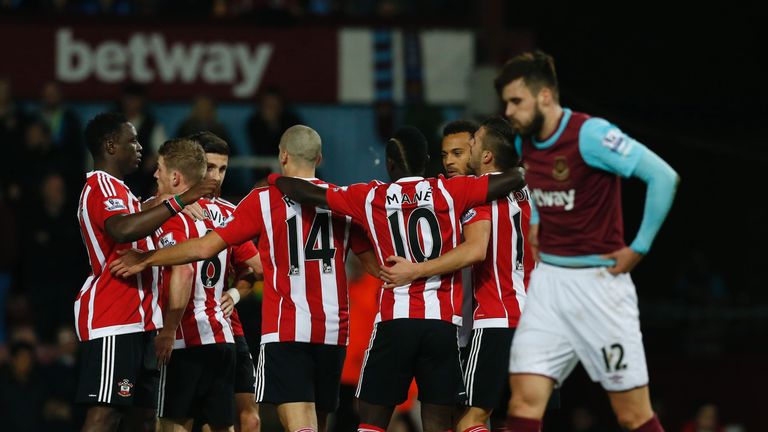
{"x":108,"y":305}
{"x":203,"y":321}
{"x":417,"y":219}
{"x":302,"y":250}
{"x":501,"y":281}
{"x":240,"y":254}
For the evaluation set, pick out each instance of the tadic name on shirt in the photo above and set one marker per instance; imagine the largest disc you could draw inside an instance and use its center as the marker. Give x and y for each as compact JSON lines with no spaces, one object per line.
{"x":565,"y":199}
{"x":215,"y":216}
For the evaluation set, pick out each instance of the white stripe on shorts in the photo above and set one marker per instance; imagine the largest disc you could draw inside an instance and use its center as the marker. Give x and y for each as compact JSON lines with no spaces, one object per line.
{"x":365,"y":360}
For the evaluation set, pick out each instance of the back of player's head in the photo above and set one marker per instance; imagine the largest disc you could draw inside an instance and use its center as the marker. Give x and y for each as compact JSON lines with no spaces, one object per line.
{"x":408,"y":150}
{"x":460,"y":126}
{"x":537,"y":69}
{"x":500,"y":140}
{"x":303,"y":143}
{"x":210,"y":142}
{"x":185,"y":156}
{"x":101,"y":128}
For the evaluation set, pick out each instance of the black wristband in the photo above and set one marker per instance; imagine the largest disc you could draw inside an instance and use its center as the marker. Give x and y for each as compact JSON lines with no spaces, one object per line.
{"x":169,"y":207}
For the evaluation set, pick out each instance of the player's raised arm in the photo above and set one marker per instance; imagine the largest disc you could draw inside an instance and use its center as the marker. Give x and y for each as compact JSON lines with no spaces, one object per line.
{"x":124,"y":228}
{"x":500,"y":185}
{"x":300,"y":190}
{"x":133,"y":261}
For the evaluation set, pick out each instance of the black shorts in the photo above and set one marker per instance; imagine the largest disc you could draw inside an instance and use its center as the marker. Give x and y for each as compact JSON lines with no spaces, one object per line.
{"x":245,"y":373}
{"x":402,"y":349}
{"x":199,"y":382}
{"x":486,"y":368}
{"x":119,"y":370}
{"x":299,"y":372}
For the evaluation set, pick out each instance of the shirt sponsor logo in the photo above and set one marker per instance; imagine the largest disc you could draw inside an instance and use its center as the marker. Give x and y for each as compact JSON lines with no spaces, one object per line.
{"x":114,"y":204}
{"x":564,"y":199}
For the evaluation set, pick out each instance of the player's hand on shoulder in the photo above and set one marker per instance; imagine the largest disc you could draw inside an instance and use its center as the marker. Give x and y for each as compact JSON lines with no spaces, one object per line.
{"x":626,"y":259}
{"x":131,"y":261}
{"x":399,"y":272}
{"x":195,"y":211}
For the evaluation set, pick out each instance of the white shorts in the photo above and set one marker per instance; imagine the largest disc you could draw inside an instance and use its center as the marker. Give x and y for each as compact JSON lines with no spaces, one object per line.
{"x":585,"y":315}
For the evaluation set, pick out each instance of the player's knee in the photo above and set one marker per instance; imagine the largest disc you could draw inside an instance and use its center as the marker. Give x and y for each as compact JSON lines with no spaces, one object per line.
{"x":526,"y":404}
{"x":436,"y":417}
{"x":473,"y":416}
{"x":250,"y":421}
{"x":101,"y":418}
{"x":377,"y":415}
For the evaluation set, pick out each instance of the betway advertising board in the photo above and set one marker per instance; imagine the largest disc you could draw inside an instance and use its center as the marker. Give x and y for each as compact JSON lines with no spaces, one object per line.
{"x":92,"y":61}
{"x":174,"y":61}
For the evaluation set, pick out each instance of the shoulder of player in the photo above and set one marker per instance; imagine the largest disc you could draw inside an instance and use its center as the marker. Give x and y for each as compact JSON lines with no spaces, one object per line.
{"x":223,"y":203}
{"x":321,"y":183}
{"x":178,"y":222}
{"x":594,"y":129}
{"x":106,"y":185}
{"x":373,"y":184}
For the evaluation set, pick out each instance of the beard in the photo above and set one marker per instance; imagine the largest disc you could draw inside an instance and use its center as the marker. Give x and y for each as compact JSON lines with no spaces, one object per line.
{"x":533,"y":127}
{"x":470,"y":169}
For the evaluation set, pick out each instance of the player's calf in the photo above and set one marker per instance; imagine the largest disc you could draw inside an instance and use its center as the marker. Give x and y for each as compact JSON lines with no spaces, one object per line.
{"x":633,"y":408}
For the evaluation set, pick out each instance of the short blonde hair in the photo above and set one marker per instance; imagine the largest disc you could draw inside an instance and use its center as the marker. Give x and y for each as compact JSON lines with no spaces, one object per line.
{"x":302,"y":142}
{"x":185,"y":156}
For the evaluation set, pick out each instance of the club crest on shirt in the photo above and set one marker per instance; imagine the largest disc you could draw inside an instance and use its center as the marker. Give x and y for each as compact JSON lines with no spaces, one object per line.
{"x":124,"y":388}
{"x":114,"y":204}
{"x":560,"y":171}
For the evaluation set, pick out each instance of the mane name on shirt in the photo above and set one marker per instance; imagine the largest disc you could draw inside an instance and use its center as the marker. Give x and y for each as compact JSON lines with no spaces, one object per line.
{"x":404,"y":198}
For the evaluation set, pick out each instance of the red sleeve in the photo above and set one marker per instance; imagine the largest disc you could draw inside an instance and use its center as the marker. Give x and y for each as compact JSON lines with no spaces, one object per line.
{"x":245,"y":223}
{"x":476,"y":214}
{"x":243,"y":252}
{"x":107,"y":199}
{"x":358,"y":240}
{"x":349,"y":200}
{"x":467,"y":191}
{"x":173,"y":231}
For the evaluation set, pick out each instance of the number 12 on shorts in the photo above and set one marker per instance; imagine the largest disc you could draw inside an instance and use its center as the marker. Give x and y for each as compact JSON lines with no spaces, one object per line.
{"x":613,"y":356}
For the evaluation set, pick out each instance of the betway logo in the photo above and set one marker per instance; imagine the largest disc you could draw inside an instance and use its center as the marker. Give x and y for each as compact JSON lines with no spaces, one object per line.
{"x":149,"y":57}
{"x":564,"y":199}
